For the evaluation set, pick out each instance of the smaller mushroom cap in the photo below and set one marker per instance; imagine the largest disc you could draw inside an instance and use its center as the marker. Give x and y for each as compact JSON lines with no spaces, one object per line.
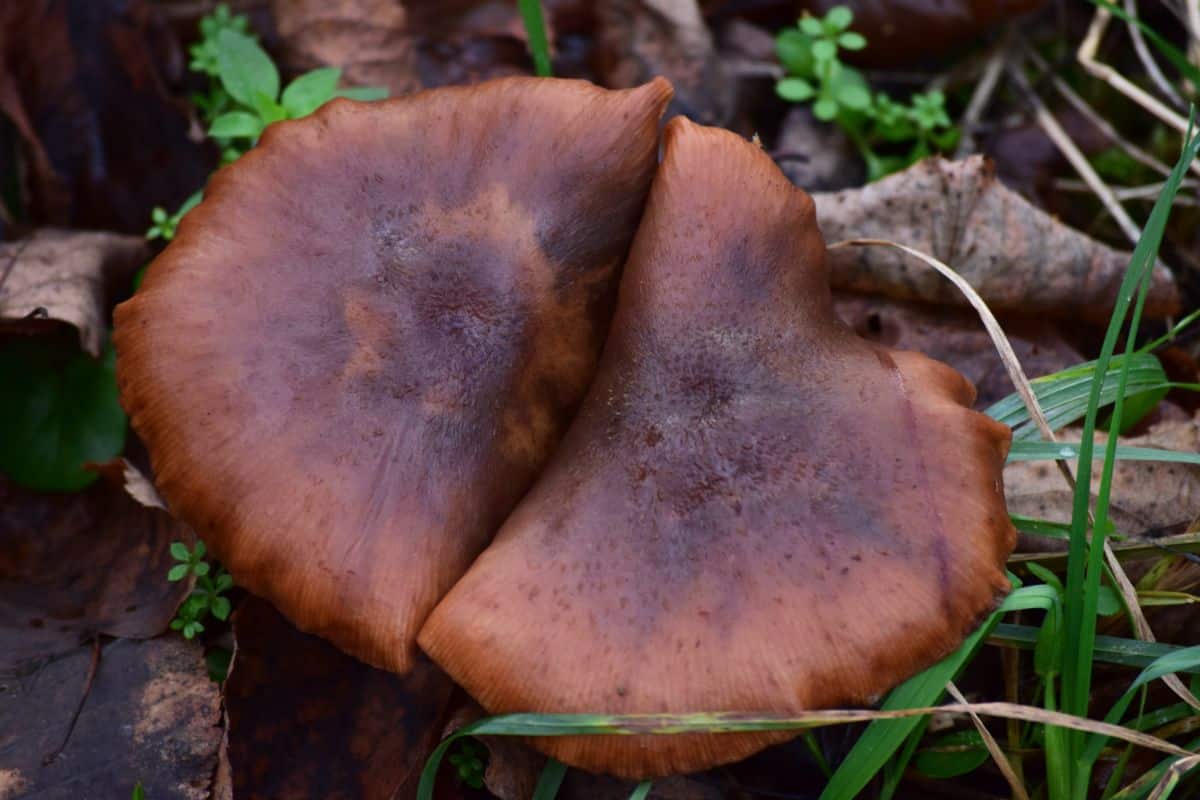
{"x":755,"y":510}
{"x":362,"y":346}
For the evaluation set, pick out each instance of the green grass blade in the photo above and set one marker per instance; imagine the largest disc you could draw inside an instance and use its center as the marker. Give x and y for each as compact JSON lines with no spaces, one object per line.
{"x":883,"y":737}
{"x":1109,"y":649}
{"x":1064,"y":395}
{"x":549,"y":781}
{"x":535,"y":29}
{"x":1181,"y":660}
{"x":641,"y":791}
{"x":1083,"y":566}
{"x":1041,"y":527}
{"x":1051,"y":451}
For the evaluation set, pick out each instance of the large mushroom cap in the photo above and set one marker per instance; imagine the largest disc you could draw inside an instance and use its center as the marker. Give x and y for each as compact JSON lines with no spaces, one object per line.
{"x":755,"y":510}
{"x":362,"y":345}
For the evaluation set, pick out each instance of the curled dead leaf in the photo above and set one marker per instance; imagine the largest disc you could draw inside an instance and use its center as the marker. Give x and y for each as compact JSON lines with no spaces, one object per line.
{"x":69,"y":276}
{"x":1016,"y":256}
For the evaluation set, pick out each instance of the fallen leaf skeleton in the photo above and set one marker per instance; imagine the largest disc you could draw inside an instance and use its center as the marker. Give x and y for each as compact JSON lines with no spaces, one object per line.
{"x":486,"y":378}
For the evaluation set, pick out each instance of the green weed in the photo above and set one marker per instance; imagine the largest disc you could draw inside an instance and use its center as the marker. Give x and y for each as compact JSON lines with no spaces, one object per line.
{"x":878,"y":125}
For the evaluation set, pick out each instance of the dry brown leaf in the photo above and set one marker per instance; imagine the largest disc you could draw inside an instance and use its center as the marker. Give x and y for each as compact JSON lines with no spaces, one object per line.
{"x":1016,"y":256}
{"x":368,"y":40}
{"x":308,"y":721}
{"x":149,"y":714}
{"x":637,"y":40}
{"x":76,"y":565}
{"x":957,"y":338}
{"x":1146,"y":496}
{"x":68,"y":276}
{"x":406,"y":46}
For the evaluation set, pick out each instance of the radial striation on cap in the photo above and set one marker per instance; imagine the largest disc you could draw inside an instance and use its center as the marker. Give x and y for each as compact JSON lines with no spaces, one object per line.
{"x":362,"y":346}
{"x":755,"y":510}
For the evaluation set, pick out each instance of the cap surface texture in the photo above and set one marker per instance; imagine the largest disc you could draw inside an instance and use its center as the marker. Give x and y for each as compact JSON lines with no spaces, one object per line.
{"x":362,"y":346}
{"x":755,"y":510}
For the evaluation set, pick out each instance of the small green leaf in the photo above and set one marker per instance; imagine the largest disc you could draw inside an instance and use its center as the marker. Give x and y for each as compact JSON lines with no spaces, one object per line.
{"x":851,"y":90}
{"x":269,"y":110}
{"x":852,"y":41}
{"x":224,"y":582}
{"x":221,"y":608}
{"x":200,"y":550}
{"x":838,"y":19}
{"x":824,"y":50}
{"x":180,"y":552}
{"x":811,"y":25}
{"x":245,"y":69}
{"x":58,"y":411}
{"x":363,"y":94}
{"x":797,"y":90}
{"x":795,"y":52}
{"x":1108,"y":602}
{"x":177,"y":573}
{"x":234,"y":124}
{"x":825,"y":109}
{"x":201,"y":569}
{"x":138,"y":792}
{"x":310,"y":91}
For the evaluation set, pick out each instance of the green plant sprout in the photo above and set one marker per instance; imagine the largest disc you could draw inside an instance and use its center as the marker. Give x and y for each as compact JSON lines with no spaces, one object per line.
{"x":840,"y":94}
{"x":207,"y":596}
{"x":165,"y":224}
{"x":244,"y":96}
{"x":468,"y":763}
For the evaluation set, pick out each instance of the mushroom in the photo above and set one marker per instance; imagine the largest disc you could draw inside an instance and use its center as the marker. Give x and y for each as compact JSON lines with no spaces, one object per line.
{"x":362,"y":346}
{"x":754,"y":510}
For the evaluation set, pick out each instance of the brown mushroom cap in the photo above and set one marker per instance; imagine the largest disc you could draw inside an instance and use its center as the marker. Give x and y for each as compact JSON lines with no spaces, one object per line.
{"x":755,"y":510}
{"x":363,"y":344}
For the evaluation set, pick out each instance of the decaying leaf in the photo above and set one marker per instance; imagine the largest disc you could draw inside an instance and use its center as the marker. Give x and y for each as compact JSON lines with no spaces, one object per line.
{"x":412,"y":45}
{"x":103,"y":140}
{"x":1017,"y":257}
{"x":368,"y":40}
{"x":148,"y":714}
{"x":959,"y":339}
{"x":306,"y":720}
{"x":637,"y":40}
{"x":1147,"y":497}
{"x":75,"y":566}
{"x":69,"y":276}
